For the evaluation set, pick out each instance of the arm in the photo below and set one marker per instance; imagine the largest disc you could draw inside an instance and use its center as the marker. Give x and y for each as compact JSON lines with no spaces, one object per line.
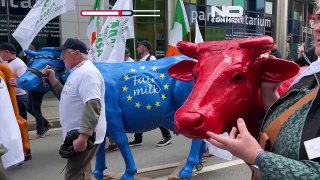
{"x":274,"y":166}
{"x":90,"y":117}
{"x":55,"y":84}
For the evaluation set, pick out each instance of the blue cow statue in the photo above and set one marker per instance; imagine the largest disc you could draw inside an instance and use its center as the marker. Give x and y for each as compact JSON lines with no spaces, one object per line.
{"x":140,"y":96}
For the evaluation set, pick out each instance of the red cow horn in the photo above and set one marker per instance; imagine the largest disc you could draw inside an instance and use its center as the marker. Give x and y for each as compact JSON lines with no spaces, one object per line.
{"x":260,"y":44}
{"x":188,"y":49}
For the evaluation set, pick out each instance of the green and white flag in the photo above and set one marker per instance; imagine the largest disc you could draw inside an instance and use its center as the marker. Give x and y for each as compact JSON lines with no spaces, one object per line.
{"x":111,"y":41}
{"x":95,"y":22}
{"x":41,"y":13}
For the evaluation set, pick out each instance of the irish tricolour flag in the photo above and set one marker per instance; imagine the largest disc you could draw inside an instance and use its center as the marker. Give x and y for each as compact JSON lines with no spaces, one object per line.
{"x":95,"y":22}
{"x":179,"y":29}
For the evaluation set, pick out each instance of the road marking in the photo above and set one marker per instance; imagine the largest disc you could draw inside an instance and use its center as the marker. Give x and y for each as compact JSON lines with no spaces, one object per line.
{"x":211,"y":168}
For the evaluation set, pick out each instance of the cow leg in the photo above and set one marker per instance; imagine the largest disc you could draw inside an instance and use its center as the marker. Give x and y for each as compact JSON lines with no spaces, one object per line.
{"x":193,"y":159}
{"x":100,"y":161}
{"x":120,"y":138}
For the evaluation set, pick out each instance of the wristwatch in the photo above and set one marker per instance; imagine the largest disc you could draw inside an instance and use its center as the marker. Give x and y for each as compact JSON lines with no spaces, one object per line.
{"x":256,"y":166}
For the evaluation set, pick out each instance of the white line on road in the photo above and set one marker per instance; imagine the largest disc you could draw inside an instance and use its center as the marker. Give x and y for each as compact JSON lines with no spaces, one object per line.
{"x":211,"y":168}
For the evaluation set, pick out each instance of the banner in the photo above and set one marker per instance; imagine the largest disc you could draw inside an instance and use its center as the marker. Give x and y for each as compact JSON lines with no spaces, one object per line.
{"x":41,"y":13}
{"x":111,"y":41}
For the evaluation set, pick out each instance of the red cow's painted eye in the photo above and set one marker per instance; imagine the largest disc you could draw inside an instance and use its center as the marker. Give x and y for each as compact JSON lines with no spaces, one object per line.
{"x":194,"y":76}
{"x":238,"y":77}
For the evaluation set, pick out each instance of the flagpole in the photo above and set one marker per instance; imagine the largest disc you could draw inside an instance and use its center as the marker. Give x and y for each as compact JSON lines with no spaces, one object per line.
{"x":76,"y":20}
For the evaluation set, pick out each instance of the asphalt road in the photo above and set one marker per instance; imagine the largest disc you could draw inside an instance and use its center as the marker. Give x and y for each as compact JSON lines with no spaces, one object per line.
{"x":47,"y":164}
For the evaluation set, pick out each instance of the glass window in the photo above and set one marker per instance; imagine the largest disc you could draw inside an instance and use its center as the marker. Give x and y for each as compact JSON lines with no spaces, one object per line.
{"x":3,"y":7}
{"x":256,"y":5}
{"x":217,"y":34}
{"x":237,"y":34}
{"x":200,"y":2}
{"x":238,"y":3}
{"x":145,"y":31}
{"x":160,"y":6}
{"x":3,"y":29}
{"x":297,"y":11}
{"x":197,"y":12}
{"x":144,"y":5}
{"x":255,"y":21}
{"x":160,"y":48}
{"x":20,"y":7}
{"x":268,"y":23}
{"x":297,"y":27}
{"x":219,"y":2}
{"x":269,"y":7}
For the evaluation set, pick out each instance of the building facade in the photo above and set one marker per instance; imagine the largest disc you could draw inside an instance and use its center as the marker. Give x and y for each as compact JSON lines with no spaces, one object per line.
{"x":285,"y":20}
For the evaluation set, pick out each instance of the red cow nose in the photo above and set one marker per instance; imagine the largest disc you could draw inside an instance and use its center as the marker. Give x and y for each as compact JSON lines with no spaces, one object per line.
{"x":186,"y":122}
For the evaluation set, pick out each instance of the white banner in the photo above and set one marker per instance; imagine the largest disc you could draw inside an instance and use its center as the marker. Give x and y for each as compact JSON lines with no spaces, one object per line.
{"x":111,"y":41}
{"x":41,"y":13}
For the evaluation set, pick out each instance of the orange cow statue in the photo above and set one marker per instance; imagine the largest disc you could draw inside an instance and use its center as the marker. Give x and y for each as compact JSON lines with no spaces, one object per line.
{"x":6,"y":74}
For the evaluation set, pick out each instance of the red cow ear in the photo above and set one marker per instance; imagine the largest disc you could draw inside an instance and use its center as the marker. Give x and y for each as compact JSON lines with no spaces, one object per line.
{"x":277,"y":70}
{"x":182,"y":70}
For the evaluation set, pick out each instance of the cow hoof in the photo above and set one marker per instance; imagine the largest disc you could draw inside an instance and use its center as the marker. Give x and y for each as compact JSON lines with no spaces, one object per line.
{"x":127,"y":177}
{"x":199,"y":167}
{"x":98,"y":175}
{"x":185,"y":173}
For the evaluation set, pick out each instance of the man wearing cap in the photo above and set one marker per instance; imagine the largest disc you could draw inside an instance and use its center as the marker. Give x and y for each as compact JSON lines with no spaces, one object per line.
{"x":18,"y":68}
{"x":81,"y":106}
{"x":144,"y":48}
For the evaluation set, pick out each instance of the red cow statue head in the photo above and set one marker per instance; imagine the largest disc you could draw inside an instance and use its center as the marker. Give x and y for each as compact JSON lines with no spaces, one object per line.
{"x":226,"y":84}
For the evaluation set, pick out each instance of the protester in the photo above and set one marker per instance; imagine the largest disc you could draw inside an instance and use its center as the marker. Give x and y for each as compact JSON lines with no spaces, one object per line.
{"x":306,"y":57}
{"x":127,"y":57}
{"x":295,"y":151}
{"x":18,"y":68}
{"x":275,"y":52}
{"x":81,"y":106}
{"x":144,"y":48}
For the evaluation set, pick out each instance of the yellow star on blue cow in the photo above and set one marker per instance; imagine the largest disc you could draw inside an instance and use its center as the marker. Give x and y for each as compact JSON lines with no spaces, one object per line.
{"x":129,"y":98}
{"x":148,"y":107}
{"x":125,"y":88}
{"x":137,"y":105}
{"x":166,"y":86}
{"x":154,"y":68}
{"x":162,"y":75}
{"x":132,"y":70}
{"x":126,"y":77}
{"x":163,"y":97}
{"x":157,"y":104}
{"x":142,"y":67}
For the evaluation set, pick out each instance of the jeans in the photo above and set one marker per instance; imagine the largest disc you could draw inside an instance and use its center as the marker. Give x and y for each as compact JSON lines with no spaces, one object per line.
{"x":34,"y":108}
{"x":165,"y":133}
{"x":22,"y":101}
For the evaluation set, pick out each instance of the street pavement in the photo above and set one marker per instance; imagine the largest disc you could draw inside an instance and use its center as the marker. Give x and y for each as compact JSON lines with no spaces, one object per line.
{"x":47,"y":164}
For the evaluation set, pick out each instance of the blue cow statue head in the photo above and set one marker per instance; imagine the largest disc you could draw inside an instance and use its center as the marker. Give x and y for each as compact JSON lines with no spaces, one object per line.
{"x":33,"y":79}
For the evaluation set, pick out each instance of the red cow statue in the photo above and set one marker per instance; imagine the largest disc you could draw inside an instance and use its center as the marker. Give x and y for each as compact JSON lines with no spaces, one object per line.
{"x":226,"y":84}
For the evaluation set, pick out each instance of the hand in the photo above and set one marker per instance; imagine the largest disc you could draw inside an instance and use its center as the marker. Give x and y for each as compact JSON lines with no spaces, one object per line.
{"x":301,"y":49}
{"x":80,"y":144}
{"x":242,"y":145}
{"x":51,"y":75}
{"x":12,"y":82}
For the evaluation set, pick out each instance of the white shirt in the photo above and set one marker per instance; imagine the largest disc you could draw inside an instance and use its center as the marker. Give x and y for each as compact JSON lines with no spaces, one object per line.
{"x":129,"y":60}
{"x":312,"y":69}
{"x":146,"y":56}
{"x":83,"y":84}
{"x":18,"y":68}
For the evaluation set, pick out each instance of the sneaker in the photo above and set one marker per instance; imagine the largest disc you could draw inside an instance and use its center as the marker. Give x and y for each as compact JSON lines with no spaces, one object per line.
{"x":46,"y":129}
{"x":165,"y":141}
{"x":28,"y":156}
{"x":112,"y":147}
{"x":135,"y":143}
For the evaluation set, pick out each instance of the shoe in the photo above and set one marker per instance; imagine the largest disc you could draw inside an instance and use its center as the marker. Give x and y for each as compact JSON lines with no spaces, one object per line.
{"x":28,"y":156}
{"x":46,"y":129}
{"x":165,"y":141}
{"x":112,"y":147}
{"x":135,"y":143}
{"x":40,"y":135}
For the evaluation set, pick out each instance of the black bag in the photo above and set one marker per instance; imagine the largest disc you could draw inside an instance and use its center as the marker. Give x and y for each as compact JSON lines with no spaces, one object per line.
{"x":66,"y":150}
